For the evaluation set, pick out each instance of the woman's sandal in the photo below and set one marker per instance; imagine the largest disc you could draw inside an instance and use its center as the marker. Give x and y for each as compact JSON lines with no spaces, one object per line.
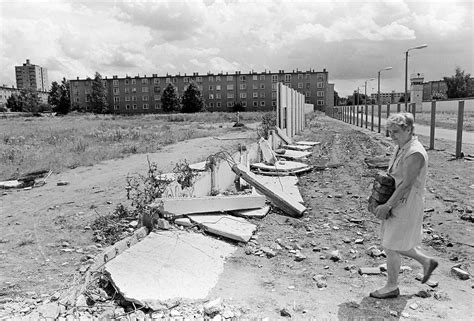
{"x":433,"y":265}
{"x":392,"y":294}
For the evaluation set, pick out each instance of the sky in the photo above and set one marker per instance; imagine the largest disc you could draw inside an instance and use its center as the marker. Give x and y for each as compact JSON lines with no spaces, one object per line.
{"x":352,"y":40}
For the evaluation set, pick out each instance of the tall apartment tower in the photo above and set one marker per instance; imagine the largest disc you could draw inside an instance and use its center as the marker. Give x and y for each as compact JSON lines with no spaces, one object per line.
{"x":31,"y":76}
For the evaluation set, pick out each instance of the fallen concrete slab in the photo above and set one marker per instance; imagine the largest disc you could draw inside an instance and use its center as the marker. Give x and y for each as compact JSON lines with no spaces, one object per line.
{"x":200,"y":167}
{"x":303,"y":142}
{"x":284,"y":137}
{"x":285,"y":184}
{"x":280,"y":166}
{"x":10,"y":184}
{"x":294,"y":154}
{"x":179,"y":206}
{"x":284,"y":201}
{"x":167,"y":266}
{"x":254,"y":213}
{"x":297,"y":147}
{"x":235,"y":228}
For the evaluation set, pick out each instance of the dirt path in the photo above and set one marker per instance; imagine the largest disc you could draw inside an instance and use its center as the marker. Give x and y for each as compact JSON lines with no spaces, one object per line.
{"x":255,"y":285}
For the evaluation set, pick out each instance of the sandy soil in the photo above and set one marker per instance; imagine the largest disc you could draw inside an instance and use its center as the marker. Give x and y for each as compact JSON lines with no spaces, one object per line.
{"x":35,"y":224}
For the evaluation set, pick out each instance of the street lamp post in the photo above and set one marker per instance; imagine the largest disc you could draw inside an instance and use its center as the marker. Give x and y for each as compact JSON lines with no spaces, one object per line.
{"x":378,"y":83}
{"x":365,"y":94}
{"x":406,"y":72}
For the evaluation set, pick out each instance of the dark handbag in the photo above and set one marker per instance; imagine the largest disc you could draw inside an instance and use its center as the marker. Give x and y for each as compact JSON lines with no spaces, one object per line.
{"x":382,"y":189}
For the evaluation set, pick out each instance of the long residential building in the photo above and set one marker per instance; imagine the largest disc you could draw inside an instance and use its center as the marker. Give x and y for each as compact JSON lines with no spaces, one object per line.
{"x":29,"y":76}
{"x":255,"y":91}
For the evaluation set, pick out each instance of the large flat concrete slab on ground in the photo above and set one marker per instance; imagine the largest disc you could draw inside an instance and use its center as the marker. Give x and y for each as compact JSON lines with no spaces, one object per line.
{"x":169,"y":265}
{"x":280,"y":166}
{"x":294,"y":154}
{"x":285,"y":184}
{"x":235,"y":228}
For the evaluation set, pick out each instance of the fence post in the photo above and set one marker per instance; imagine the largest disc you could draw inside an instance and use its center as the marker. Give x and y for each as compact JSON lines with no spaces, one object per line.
{"x":357,"y":115}
{"x":372,"y":121}
{"x":366,"y":116}
{"x":413,"y":110}
{"x":432,"y":124}
{"x":459,"y":129}
{"x":398,"y":107}
{"x":380,"y":118}
{"x":388,"y":115}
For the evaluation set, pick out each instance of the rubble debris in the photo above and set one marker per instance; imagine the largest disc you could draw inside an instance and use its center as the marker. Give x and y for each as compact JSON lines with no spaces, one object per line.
{"x":459,"y":273}
{"x":235,"y":228}
{"x":302,"y":148}
{"x":285,"y":202}
{"x":62,"y":183}
{"x":294,"y":154}
{"x":252,"y":213}
{"x":213,"y":307}
{"x":302,"y":142}
{"x":299,"y":256}
{"x":441,"y":296}
{"x":284,"y":313}
{"x":190,"y":264}
{"x":11,"y":184}
{"x":163,"y":224}
{"x":280,"y":166}
{"x":179,"y":206}
{"x":335,"y":256}
{"x":320,"y":281}
{"x":423,"y":294}
{"x":413,"y":306}
{"x":183,"y":221}
{"x":369,"y":270}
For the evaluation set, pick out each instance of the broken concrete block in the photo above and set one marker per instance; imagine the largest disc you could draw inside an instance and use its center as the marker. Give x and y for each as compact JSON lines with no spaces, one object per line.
{"x":235,"y":228}
{"x":252,"y":213}
{"x":423,"y":294}
{"x":169,"y":265}
{"x":267,"y":152}
{"x":189,"y":205}
{"x":369,"y":270}
{"x":280,"y":166}
{"x":213,"y":307}
{"x":49,"y":310}
{"x":163,"y":224}
{"x":335,"y":256}
{"x":294,"y":154}
{"x":10,"y":184}
{"x":283,"y":135}
{"x":459,"y":273}
{"x":320,"y":281}
{"x":297,"y":147}
{"x":183,"y":221}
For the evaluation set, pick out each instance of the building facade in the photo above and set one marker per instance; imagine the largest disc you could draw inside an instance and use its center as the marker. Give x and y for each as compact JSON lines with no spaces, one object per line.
{"x":255,"y":91}
{"x":31,"y":76}
{"x":388,"y":98}
{"x":432,"y":88}
{"x":5,"y":93}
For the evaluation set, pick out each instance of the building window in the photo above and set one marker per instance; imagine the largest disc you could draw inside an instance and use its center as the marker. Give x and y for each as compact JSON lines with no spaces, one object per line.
{"x":300,"y":76}
{"x":218,"y":104}
{"x":144,"y":89}
{"x":307,"y":100}
{"x":157,"y":89}
{"x":243,"y":86}
{"x":211,"y":96}
{"x":262,"y":103}
{"x":262,"y":94}
{"x":287,"y":78}
{"x":244,"y":103}
{"x":274,"y":86}
{"x":156,"y":81}
{"x":134,"y":106}
{"x":218,"y":87}
{"x":76,"y":99}
{"x":320,"y":102}
{"x":230,"y":87}
{"x":127,"y":98}
{"x":307,"y":76}
{"x":134,"y":89}
{"x":127,"y":90}
{"x":320,"y":77}
{"x":116,"y":99}
{"x":320,"y":93}
{"x":211,"y":104}
{"x":198,"y":79}
{"x":127,"y":106}
{"x":186,"y":80}
{"x":230,"y":104}
{"x":127,"y":81}
{"x":242,"y":78}
{"x":262,"y":86}
{"x":134,"y":81}
{"x":230,"y":78}
{"x":255,"y":77}
{"x":255,"y":94}
{"x":210,"y":78}
{"x":115,"y":82}
{"x":274,"y":103}
{"x":157,"y":106}
{"x":157,"y":97}
{"x":274,"y":78}
{"x":145,"y":81}
{"x":254,"y":86}
{"x":262,"y":77}
{"x":218,"y":78}
{"x":174,"y":80}
{"x":144,"y":98}
{"x":308,"y":85}
{"x":230,"y":95}
{"x":274,"y":95}
{"x":145,"y":106}
{"x":218,"y":95}
{"x":168,"y":80}
{"x":300,"y":85}
{"x":211,"y":87}
{"x":243,"y":95}
{"x":307,"y":94}
{"x":320,"y":84}
{"x":255,"y":103}
{"x":134,"y":98}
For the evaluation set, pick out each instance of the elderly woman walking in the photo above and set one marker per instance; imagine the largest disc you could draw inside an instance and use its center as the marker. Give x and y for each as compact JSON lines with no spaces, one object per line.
{"x":402,"y":214}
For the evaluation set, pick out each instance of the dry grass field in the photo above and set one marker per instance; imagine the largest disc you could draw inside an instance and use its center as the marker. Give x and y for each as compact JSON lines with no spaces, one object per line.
{"x":56,"y":143}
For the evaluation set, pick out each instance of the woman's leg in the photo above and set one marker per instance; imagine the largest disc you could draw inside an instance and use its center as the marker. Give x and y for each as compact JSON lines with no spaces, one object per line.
{"x":428,"y":263}
{"x":393,"y":269}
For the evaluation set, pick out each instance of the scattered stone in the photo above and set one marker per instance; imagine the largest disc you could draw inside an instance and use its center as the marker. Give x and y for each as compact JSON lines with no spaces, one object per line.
{"x":299,"y":256}
{"x":62,"y":183}
{"x":459,"y":273}
{"x":405,"y":268}
{"x":326,"y":267}
{"x":316,"y":249}
{"x":228,"y":314}
{"x":359,"y":241}
{"x":163,"y":224}
{"x":428,"y":210}
{"x":468,"y":209}
{"x":441,"y":296}
{"x":320,"y":281}
{"x":213,"y":306}
{"x":284,"y":313}
{"x":291,"y":287}
{"x":414,"y":306}
{"x":133,"y":223}
{"x":405,"y":315}
{"x":268,"y":251}
{"x":432,"y":284}
{"x":174,"y":313}
{"x":369,"y":270}
{"x":346,"y":240}
{"x":423,"y":294}
{"x":394,"y":313}
{"x":383,"y":267}
{"x":335,"y":256}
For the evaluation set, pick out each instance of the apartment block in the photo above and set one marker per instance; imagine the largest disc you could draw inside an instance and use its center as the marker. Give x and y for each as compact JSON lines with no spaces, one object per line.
{"x":431,"y":88}
{"x":388,"y":98}
{"x":31,"y":76}
{"x":255,"y":91}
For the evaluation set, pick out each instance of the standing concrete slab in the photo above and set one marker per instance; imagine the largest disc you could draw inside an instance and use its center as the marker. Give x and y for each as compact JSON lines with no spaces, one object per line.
{"x":167,"y":266}
{"x":235,"y":228}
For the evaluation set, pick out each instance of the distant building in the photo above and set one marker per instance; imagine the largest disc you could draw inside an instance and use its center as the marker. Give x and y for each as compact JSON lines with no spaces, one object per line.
{"x":31,"y":76}
{"x":431,"y":88}
{"x":388,"y":98}
{"x":5,"y":93}
{"x":255,"y":91}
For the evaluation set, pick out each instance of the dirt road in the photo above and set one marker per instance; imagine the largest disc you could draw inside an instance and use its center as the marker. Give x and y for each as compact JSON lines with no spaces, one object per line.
{"x":36,"y":223}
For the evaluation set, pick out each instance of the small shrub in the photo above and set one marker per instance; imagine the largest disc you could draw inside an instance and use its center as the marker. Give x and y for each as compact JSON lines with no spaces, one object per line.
{"x":267,"y":124}
{"x":79,"y":146}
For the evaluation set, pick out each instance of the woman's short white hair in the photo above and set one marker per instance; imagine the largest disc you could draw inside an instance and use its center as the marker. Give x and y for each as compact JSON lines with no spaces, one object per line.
{"x":402,"y":120}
